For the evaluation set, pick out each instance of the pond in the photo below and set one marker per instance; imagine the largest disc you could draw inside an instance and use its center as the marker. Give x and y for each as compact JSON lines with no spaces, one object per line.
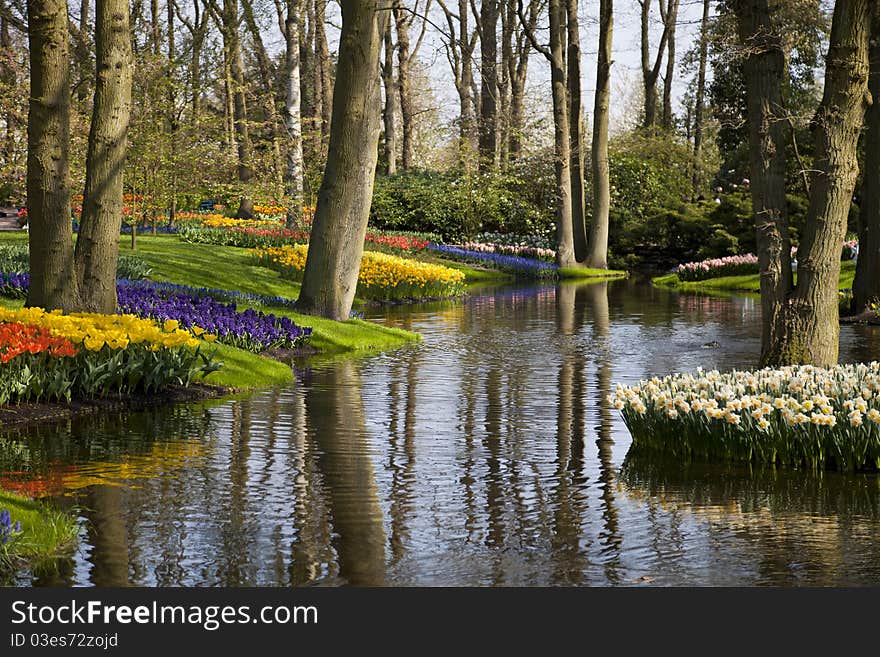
{"x":484,"y":455}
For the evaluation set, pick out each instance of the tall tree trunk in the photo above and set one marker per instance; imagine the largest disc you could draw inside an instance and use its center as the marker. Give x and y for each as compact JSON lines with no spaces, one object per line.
{"x":670,"y":66}
{"x":488,"y":144}
{"x":763,"y":74}
{"x":598,"y":243}
{"x":173,"y":123}
{"x":294,"y":179}
{"x":565,"y":256}
{"x":866,"y":286}
{"x":239,"y":102}
{"x":340,"y":224}
{"x":155,"y":33}
{"x":403,"y":19}
{"x":508,"y":22}
{"x":229,"y":103}
{"x":700,"y":102}
{"x":576,"y":126}
{"x":7,"y":75}
{"x":97,"y":246}
{"x":389,"y":114}
{"x":267,"y":79}
{"x":310,"y":89}
{"x":650,"y":72}
{"x":518,"y":77}
{"x":325,"y":68}
{"x":466,"y":113}
{"x":82,"y":51}
{"x":50,"y":237}
{"x":810,"y":329}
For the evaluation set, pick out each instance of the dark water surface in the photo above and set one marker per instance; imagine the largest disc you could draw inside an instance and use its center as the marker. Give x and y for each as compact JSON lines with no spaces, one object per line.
{"x":485,"y":455}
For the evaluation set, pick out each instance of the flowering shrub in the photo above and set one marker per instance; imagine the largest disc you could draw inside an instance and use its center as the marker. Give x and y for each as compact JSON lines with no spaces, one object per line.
{"x":797,"y":415}
{"x":251,"y":330}
{"x":736,"y":265}
{"x":539,"y":241}
{"x":382,"y":276}
{"x":516,"y":265}
{"x":49,"y":355}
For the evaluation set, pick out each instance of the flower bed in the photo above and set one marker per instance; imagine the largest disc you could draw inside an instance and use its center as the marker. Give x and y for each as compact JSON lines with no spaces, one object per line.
{"x":737,"y":265}
{"x":382,"y":276}
{"x":51,"y":356}
{"x":798,"y":415}
{"x":517,"y":265}
{"x":511,"y":249}
{"x":251,"y":330}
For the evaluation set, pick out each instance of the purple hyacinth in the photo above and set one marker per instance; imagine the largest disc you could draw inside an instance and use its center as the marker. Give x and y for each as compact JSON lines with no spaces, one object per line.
{"x":515,"y":264}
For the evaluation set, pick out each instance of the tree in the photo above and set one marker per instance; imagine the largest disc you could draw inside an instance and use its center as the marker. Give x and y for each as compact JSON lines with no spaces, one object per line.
{"x":802,"y":322}
{"x":50,"y":237}
{"x":389,"y":113}
{"x":866,"y":286}
{"x":650,"y":72}
{"x":700,"y":102}
{"x":488,"y":26}
{"x":294,"y":177}
{"x":403,"y":18}
{"x":764,"y":64}
{"x":670,"y":19}
{"x":97,"y":246}
{"x":598,"y":242}
{"x":340,"y":224}
{"x":460,"y":43}
{"x":576,"y":129}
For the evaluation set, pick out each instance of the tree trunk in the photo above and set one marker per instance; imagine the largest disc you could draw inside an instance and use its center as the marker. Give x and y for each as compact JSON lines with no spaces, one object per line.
{"x":598,"y":243}
{"x":576,"y":126}
{"x":403,"y":19}
{"x":650,"y":72}
{"x":562,"y":134}
{"x":763,"y":74}
{"x":53,"y":280}
{"x":508,"y":68}
{"x":670,"y":66}
{"x":340,"y":224}
{"x":488,"y":145}
{"x":83,"y":52}
{"x":389,"y":114}
{"x":310,"y":90}
{"x":518,"y":81}
{"x":810,"y":329}
{"x":466,"y":113}
{"x":155,"y":35}
{"x":266,"y":78}
{"x":239,"y":102}
{"x":294,"y":180}
{"x":97,"y":246}
{"x":700,"y":102}
{"x":325,"y":70}
{"x":172,"y":115}
{"x":866,"y":287}
{"x":229,"y":104}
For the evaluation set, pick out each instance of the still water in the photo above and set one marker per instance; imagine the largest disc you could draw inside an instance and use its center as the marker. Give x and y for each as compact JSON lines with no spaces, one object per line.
{"x":485,"y":455}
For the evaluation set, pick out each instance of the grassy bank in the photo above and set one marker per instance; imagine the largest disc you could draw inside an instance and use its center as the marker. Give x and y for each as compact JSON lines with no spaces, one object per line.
{"x":587,"y":272}
{"x":45,"y":533}
{"x":746,"y":283}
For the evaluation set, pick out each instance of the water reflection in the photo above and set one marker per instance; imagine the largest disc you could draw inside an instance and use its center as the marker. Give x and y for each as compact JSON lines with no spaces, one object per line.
{"x":486,"y":455}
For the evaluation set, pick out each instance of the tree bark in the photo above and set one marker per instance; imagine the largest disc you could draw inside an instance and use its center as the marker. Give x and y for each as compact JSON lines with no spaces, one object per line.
{"x":565,"y":256}
{"x":763,"y":70}
{"x":50,"y":237}
{"x":173,"y":123}
{"x":518,"y":77}
{"x":810,"y":329}
{"x":97,"y":246}
{"x":466,"y":112}
{"x":239,"y":101}
{"x":310,"y":89}
{"x":325,"y":67}
{"x":294,"y":178}
{"x":650,"y":72}
{"x":389,"y":114}
{"x":488,"y":144}
{"x":670,"y":66}
{"x":337,"y":238}
{"x":700,"y":102}
{"x":264,"y":66}
{"x":866,"y":286}
{"x":403,"y":20}
{"x":576,"y":127}
{"x":598,"y":242}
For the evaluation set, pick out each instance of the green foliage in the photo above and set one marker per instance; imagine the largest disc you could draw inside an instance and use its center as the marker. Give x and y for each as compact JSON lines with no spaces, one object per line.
{"x":45,"y":534}
{"x":459,"y":205}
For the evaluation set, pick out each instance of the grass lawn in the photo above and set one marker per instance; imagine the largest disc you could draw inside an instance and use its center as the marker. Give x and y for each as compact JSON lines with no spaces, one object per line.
{"x":747,"y":283}
{"x":586,"y":272}
{"x":46,"y":532}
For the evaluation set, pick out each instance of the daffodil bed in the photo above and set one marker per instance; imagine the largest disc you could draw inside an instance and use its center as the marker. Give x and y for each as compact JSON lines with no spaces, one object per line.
{"x":796,"y":416}
{"x":50,"y":356}
{"x":382,"y":276}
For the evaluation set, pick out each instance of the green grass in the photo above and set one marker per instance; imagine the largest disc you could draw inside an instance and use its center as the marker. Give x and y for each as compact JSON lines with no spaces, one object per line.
{"x":745,"y":283}
{"x":587,"y":272}
{"x":46,"y":533}
{"x":244,"y":370}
